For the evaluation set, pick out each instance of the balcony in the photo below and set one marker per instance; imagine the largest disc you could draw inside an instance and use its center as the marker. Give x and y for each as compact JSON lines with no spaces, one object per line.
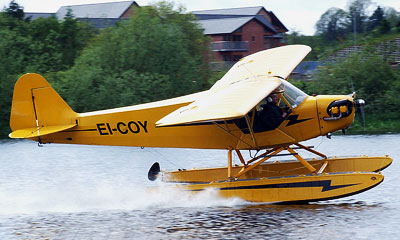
{"x":230,"y":46}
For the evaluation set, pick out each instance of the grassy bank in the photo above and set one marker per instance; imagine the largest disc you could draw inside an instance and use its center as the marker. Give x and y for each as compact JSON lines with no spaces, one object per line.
{"x":375,"y":124}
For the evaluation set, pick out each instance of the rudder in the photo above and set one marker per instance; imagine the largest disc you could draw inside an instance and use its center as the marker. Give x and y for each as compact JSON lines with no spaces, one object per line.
{"x":37,"y":109}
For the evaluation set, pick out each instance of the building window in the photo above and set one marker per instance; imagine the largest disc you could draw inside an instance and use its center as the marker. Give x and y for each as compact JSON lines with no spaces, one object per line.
{"x":253,"y":38}
{"x":268,"y":43}
{"x":237,"y":38}
{"x":227,"y":37}
{"x":227,"y":58}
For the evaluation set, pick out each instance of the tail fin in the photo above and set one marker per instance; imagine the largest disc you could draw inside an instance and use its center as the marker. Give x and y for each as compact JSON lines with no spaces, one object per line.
{"x":37,"y":109}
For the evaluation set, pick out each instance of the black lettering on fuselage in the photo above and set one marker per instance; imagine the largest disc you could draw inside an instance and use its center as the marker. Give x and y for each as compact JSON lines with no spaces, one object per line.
{"x":137,"y":130}
{"x":144,"y":126}
{"x":119,"y":128}
{"x":101,"y":129}
{"x":132,"y":127}
{"x":109,"y":128}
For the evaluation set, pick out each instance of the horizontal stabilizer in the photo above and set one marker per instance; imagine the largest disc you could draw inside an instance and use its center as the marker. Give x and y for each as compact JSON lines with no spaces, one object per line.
{"x":35,"y":132}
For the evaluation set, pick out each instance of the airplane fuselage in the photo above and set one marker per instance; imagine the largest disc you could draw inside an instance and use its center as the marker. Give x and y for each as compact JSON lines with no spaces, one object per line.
{"x":135,"y":126}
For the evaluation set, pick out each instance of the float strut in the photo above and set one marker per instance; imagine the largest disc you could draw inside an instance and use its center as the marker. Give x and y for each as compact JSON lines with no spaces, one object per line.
{"x":229,"y":163}
{"x":322,"y":167}
{"x":262,"y":155}
{"x":240,"y":157}
{"x":248,"y":168}
{"x":311,"y":150}
{"x":304,"y":162}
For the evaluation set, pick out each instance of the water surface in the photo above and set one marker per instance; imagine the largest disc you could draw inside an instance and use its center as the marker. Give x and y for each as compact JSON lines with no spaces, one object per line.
{"x":96,"y":192}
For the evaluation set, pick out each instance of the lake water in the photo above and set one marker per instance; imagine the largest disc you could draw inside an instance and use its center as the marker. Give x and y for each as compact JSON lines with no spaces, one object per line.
{"x":97,"y":192}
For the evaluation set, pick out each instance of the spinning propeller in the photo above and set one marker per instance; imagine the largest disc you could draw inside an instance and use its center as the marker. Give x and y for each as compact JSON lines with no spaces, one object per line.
{"x":359,"y":104}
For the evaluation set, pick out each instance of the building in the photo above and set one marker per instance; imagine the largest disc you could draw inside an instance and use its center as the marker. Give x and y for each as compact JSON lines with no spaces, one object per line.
{"x":238,"y":32}
{"x":99,"y":15}
{"x":33,"y":16}
{"x":305,"y":70}
{"x":235,"y":32}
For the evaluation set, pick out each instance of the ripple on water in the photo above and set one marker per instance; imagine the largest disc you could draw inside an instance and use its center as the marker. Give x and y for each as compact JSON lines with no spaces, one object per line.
{"x":92,"y":192}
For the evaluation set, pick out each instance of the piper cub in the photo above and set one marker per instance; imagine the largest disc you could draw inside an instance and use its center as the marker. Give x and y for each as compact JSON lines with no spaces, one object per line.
{"x":252,"y":107}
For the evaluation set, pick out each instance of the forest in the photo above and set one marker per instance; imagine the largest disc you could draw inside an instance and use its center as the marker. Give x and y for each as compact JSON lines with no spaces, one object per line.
{"x":161,"y":53}
{"x":373,"y":74}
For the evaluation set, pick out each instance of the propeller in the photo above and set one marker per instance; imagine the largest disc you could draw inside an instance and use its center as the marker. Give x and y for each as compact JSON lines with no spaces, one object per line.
{"x":359,"y":104}
{"x":153,"y":171}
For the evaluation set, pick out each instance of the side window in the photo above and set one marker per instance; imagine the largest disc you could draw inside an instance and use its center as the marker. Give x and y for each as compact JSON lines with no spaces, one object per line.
{"x":293,"y":95}
{"x":282,"y":103}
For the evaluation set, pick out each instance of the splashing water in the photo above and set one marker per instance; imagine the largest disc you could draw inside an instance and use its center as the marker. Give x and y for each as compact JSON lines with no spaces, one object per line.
{"x":106,"y":196}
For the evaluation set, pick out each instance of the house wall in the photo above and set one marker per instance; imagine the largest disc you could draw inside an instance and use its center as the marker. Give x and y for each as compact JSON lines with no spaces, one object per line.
{"x":266,"y":15}
{"x":129,"y":12}
{"x":252,"y":32}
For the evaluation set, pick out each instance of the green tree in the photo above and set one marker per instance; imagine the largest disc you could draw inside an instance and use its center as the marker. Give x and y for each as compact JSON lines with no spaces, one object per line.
{"x":384,"y":26}
{"x":317,"y":43}
{"x":155,"y":55}
{"x":333,"y":24}
{"x":13,"y":48}
{"x":45,"y":48}
{"x":15,"y":10}
{"x":73,"y":38}
{"x":369,"y":75}
{"x":375,"y":19}
{"x":358,"y":15}
{"x":32,"y":46}
{"x":392,"y":16}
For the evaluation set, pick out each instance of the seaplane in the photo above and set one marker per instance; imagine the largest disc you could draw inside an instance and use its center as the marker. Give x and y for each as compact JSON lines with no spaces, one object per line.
{"x":251,"y":108}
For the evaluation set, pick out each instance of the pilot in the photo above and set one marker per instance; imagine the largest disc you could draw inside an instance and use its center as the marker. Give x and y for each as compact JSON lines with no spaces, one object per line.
{"x":271,"y":115}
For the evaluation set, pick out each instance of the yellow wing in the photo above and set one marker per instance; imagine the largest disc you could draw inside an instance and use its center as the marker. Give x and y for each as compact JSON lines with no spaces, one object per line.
{"x":280,"y":62}
{"x":242,"y":87}
{"x":225,"y":103}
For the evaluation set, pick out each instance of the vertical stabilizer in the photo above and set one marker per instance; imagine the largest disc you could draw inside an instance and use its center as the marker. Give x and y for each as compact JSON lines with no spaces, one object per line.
{"x":37,"y":109}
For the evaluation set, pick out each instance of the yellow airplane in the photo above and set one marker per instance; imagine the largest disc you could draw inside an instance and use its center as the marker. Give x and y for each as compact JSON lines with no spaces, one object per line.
{"x":252,"y":107}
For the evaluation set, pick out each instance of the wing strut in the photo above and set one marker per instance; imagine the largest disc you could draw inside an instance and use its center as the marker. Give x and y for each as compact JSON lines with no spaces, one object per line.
{"x":250,"y":127}
{"x":251,"y":131}
{"x":238,"y":138}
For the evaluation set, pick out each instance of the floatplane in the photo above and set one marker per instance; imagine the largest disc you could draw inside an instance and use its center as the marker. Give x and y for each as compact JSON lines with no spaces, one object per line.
{"x":252,"y":107}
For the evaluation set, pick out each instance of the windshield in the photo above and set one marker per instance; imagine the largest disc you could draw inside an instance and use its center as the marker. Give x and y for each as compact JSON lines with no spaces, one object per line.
{"x":294,"y":95}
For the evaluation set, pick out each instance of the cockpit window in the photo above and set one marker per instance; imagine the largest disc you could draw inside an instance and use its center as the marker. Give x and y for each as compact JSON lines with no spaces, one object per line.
{"x":292,"y":94}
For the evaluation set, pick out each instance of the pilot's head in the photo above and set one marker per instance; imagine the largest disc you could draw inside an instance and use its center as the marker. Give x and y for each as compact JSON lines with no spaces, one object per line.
{"x":273,"y":98}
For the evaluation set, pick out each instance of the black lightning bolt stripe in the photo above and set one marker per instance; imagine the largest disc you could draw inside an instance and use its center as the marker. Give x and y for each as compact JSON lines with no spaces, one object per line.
{"x":293,"y":120}
{"x":325,"y":184}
